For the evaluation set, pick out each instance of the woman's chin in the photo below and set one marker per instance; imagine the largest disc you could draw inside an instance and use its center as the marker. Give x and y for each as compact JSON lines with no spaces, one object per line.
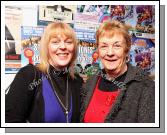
{"x":111,"y":67}
{"x":62,"y":65}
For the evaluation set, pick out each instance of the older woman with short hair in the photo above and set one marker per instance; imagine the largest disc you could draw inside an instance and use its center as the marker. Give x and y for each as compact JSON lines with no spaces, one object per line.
{"x":120,"y":93}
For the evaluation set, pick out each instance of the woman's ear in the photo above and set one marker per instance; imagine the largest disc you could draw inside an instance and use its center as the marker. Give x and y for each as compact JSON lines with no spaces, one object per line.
{"x":127,"y":58}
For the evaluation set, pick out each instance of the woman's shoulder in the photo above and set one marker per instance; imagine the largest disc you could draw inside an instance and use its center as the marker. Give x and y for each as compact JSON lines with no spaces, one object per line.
{"x":29,"y":72}
{"x":28,"y":67}
{"x":136,"y":73}
{"x":145,"y":77}
{"x":148,"y":81}
{"x":144,"y":80}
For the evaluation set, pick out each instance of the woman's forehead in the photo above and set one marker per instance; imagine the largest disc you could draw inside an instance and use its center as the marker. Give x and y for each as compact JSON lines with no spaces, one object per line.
{"x":61,"y":35}
{"x":114,"y":37}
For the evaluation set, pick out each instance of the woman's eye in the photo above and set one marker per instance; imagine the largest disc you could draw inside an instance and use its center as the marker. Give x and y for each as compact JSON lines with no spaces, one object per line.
{"x":68,"y":42}
{"x":103,"y":47}
{"x":117,"y":45}
{"x":55,"y":42}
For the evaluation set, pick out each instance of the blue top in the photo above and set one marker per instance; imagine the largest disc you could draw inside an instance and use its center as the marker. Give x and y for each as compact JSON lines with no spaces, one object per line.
{"x":53,"y":110}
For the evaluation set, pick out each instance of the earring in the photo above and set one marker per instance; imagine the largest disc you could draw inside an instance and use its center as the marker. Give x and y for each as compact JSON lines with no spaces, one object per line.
{"x":127,"y":59}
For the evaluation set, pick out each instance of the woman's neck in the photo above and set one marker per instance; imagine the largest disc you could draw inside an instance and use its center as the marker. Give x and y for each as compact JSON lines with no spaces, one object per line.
{"x":110,"y":75}
{"x":58,"y":68}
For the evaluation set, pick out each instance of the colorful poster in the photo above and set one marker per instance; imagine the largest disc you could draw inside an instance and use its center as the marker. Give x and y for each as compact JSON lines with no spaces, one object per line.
{"x":86,"y":17}
{"x":13,"y":21}
{"x":145,"y":15}
{"x":121,"y":12}
{"x":85,"y":35}
{"x":31,"y":37}
{"x":104,"y":13}
{"x":86,"y":26}
{"x":142,"y":54}
{"x":94,"y":13}
{"x":86,"y":62}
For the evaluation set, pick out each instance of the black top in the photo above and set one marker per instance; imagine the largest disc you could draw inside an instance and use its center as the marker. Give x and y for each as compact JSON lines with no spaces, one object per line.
{"x":23,"y":103}
{"x":110,"y":85}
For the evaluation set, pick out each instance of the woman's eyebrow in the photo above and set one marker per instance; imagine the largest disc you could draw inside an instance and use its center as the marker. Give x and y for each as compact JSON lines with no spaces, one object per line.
{"x":54,"y":38}
{"x":68,"y":38}
{"x":104,"y":43}
{"x":117,"y":42}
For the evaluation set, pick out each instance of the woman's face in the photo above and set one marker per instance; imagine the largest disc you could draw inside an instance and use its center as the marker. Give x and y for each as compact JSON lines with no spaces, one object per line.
{"x":111,"y":53}
{"x":61,"y":50}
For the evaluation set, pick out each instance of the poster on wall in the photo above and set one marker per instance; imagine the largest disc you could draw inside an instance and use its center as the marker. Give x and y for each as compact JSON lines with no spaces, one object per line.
{"x":47,"y":14}
{"x":104,"y":13}
{"x":30,"y":40}
{"x":87,"y":63}
{"x":94,"y":13}
{"x":123,"y":13}
{"x":84,"y":32}
{"x":145,"y":19}
{"x":13,"y":21}
{"x":142,"y":54}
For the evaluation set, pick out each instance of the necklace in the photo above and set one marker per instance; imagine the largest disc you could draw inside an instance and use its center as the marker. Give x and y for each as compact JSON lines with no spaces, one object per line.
{"x":65,"y":107}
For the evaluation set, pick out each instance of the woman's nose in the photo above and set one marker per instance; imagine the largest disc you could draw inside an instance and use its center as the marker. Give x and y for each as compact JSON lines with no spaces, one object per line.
{"x":62,"y":45}
{"x":110,"y":51}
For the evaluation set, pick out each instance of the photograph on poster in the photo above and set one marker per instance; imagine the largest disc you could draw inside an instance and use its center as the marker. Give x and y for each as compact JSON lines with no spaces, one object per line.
{"x":81,"y":65}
